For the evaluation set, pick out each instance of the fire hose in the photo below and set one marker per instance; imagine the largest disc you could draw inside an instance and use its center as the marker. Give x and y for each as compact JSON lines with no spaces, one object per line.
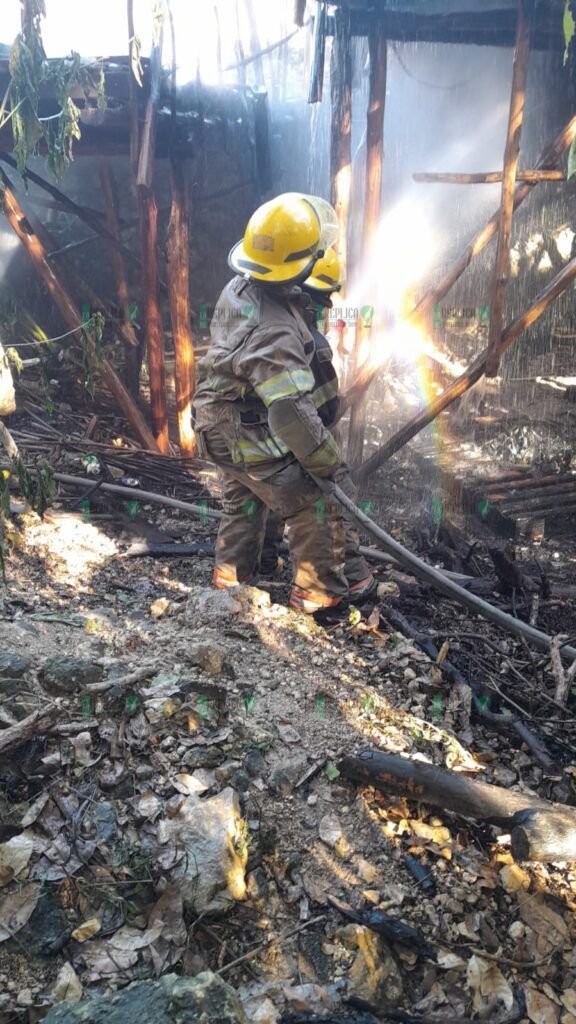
{"x":392,"y":547}
{"x":437,"y":579}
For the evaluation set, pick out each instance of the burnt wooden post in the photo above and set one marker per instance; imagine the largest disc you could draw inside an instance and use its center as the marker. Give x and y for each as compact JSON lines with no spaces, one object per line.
{"x":502,"y":261}
{"x":475,"y":371}
{"x":316,"y":87}
{"x":377,"y":47}
{"x":178,"y":260}
{"x":133,"y":86}
{"x":131,"y":361}
{"x":341,"y":127}
{"x":71,"y":314}
{"x":299,"y":11}
{"x":149,"y":247}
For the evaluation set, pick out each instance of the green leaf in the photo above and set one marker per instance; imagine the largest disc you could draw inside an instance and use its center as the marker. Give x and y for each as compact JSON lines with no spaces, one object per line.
{"x":571,"y":173}
{"x":569,"y":26}
{"x":355,"y":616}
{"x":331,"y":772}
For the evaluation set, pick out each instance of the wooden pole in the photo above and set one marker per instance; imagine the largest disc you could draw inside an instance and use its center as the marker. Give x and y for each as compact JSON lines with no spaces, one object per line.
{"x":486,"y":178}
{"x":377,"y":47}
{"x":134,"y":104}
{"x":475,"y":371}
{"x":299,"y":12}
{"x":341,"y":128}
{"x":316,"y":87}
{"x":511,"y":153}
{"x":70,"y":314}
{"x":422,"y":311}
{"x":255,"y":44}
{"x":148,"y":212}
{"x":131,"y":357}
{"x":178,"y":260}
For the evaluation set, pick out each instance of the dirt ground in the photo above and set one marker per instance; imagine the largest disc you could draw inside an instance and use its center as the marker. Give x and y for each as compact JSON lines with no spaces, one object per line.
{"x":260,"y":699}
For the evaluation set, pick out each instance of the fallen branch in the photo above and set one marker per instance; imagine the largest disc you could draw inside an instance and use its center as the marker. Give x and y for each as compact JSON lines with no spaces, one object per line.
{"x":539,"y":830}
{"x":122,"y":681}
{"x":34,"y":725}
{"x":271,"y":942}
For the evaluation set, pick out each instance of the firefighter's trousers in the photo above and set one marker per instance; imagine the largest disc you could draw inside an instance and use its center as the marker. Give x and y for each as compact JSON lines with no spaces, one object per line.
{"x":323,"y":544}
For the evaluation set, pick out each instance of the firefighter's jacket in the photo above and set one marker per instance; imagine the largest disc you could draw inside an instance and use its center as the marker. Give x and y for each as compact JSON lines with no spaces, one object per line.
{"x":267,"y":381}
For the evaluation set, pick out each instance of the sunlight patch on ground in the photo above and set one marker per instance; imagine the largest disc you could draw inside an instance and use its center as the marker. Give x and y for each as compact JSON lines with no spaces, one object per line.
{"x":70,"y":548}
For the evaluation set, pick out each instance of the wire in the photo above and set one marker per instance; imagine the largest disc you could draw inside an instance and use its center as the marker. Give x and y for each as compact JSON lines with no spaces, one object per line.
{"x":47,"y":341}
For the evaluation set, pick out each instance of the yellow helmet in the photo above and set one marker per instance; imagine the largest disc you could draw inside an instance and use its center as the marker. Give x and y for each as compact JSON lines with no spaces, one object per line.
{"x":281,"y":240}
{"x":325,"y":276}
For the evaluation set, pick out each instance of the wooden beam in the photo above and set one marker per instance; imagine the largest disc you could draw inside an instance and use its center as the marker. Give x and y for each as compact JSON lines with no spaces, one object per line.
{"x":148,"y":214}
{"x":421,"y":312}
{"x":378,"y":54}
{"x":131,"y":343}
{"x":299,"y":12}
{"x":71,"y":314}
{"x":316,"y":86}
{"x":341,"y":128}
{"x":486,"y":178}
{"x":472,"y":375}
{"x":511,"y":153}
{"x":178,"y":262}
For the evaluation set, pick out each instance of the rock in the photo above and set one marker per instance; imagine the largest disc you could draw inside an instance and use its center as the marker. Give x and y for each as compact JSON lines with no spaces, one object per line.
{"x":257,"y":887}
{"x":9,"y":687}
{"x":374,"y":975}
{"x":207,"y":607}
{"x":68,"y":675}
{"x":210,"y":657}
{"x":160,"y":608}
{"x":240,"y":781}
{"x":330,"y":830}
{"x":211,"y":874}
{"x":204,"y":999}
{"x":203,"y":757}
{"x":48,"y":928}
{"x":14,"y":666}
{"x":254,"y":763}
{"x":103,"y":817}
{"x":283,"y":779}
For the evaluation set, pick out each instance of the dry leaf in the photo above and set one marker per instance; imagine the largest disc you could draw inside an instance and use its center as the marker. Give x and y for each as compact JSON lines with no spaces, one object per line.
{"x":35,"y":809}
{"x":67,"y":988}
{"x":568,"y":1000}
{"x":14,"y":856}
{"x":127,"y":939}
{"x":550,"y":928}
{"x":87,"y":929}
{"x":16,"y":909}
{"x":488,"y":983}
{"x":103,"y":961}
{"x":540,"y":1009}
{"x":450,"y":961}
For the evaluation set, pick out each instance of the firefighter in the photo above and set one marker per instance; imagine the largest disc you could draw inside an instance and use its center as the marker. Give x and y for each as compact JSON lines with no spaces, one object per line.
{"x":255,"y":414}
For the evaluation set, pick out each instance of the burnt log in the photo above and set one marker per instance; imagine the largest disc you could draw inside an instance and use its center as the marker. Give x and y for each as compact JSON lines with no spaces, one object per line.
{"x":539,"y":830}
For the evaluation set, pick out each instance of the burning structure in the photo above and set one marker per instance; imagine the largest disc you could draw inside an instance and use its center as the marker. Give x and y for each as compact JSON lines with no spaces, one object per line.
{"x":169,"y":752}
